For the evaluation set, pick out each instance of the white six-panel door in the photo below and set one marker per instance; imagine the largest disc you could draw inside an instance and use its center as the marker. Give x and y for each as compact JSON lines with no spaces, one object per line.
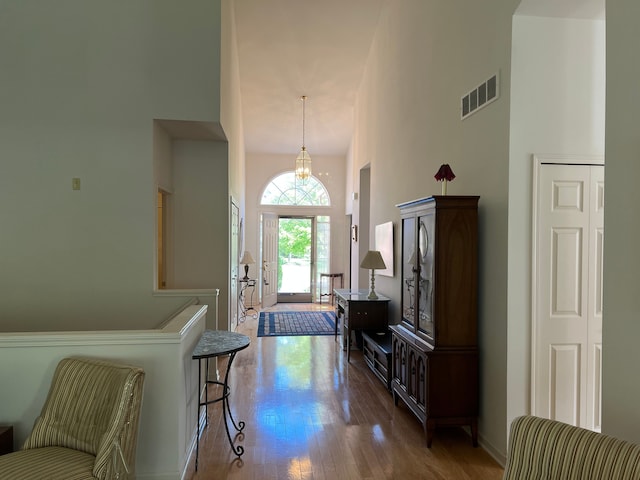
{"x":567,"y":322}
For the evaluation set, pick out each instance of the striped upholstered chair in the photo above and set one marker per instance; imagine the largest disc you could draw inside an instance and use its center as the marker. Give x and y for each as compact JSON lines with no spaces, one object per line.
{"x":541,"y":449}
{"x":88,"y":426}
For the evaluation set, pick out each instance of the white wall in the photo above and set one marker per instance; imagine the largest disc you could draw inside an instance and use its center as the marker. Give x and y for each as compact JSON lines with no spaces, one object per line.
{"x":621,"y":328}
{"x":231,"y":120}
{"x":426,"y":55}
{"x":81,"y":85}
{"x":231,"y":103}
{"x":262,"y":168}
{"x":557,"y":107}
{"x":200,"y":210}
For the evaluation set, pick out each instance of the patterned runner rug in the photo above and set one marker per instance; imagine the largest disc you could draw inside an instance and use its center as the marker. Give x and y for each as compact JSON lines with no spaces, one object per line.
{"x":278,"y":324}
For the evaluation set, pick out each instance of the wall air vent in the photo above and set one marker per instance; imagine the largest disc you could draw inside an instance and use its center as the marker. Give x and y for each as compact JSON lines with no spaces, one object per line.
{"x":480,"y":97}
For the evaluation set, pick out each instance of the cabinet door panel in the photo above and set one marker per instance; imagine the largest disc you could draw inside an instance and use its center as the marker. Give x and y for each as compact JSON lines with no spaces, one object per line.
{"x":409,"y":274}
{"x":403,"y":364}
{"x":421,"y":378}
{"x":399,"y":360}
{"x":426,"y":241}
{"x":411,"y":373}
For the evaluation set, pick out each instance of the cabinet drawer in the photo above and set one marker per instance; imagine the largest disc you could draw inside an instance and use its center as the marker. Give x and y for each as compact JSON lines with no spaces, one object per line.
{"x":367,"y":315}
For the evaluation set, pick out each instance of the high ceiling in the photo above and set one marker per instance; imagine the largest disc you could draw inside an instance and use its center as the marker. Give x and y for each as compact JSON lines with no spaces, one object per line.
{"x":290,"y":48}
{"x":318,"y":48}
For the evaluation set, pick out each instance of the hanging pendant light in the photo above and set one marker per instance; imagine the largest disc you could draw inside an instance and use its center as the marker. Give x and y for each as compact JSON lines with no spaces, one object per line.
{"x":303,"y":162}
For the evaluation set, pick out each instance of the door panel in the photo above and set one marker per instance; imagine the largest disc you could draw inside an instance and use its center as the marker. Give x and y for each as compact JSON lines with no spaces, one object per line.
{"x":566,"y":272}
{"x":295,"y":259}
{"x":565,"y":383}
{"x":568,"y":294}
{"x":269,"y":259}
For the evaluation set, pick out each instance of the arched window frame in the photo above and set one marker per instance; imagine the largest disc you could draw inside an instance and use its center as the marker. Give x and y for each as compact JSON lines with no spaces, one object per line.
{"x":285,"y":190}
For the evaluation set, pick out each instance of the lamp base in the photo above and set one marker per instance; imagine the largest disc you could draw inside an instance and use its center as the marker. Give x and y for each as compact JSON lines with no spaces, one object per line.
{"x":372,"y":293}
{"x":246,"y":273}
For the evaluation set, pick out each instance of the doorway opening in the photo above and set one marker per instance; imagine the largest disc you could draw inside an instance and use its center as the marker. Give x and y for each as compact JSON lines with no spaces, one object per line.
{"x":296,"y":249}
{"x":295,"y":259}
{"x":296,"y":240}
{"x":162,"y":205}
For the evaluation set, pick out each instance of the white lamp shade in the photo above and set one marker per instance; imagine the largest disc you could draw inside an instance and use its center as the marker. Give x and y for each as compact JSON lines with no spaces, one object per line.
{"x":247,"y":259}
{"x":373,"y":260}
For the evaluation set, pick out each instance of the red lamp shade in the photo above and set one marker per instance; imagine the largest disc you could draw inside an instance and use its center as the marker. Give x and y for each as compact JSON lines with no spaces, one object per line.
{"x":444,"y":173}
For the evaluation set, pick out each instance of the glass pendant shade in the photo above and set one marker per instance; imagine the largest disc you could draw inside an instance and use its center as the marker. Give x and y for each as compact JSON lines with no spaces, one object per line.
{"x":303,"y":165}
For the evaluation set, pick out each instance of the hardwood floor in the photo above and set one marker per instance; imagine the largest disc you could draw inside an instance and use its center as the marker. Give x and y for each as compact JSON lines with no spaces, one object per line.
{"x":310,"y":415}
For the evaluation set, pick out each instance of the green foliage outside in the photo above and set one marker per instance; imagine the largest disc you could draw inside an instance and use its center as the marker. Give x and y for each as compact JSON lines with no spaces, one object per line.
{"x":294,"y":242}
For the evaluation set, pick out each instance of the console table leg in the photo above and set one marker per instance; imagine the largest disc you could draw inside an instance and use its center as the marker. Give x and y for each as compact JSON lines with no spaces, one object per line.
{"x":226,"y":410}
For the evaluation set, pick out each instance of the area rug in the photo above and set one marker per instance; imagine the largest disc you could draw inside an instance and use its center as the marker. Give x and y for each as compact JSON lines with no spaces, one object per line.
{"x":277,"y":324}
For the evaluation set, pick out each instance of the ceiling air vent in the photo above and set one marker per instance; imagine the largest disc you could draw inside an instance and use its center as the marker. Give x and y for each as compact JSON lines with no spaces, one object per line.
{"x":480,"y":97}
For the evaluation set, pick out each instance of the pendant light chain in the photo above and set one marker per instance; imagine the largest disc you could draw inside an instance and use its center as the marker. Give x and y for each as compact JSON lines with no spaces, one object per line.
{"x":303,"y":161}
{"x":304,"y":102}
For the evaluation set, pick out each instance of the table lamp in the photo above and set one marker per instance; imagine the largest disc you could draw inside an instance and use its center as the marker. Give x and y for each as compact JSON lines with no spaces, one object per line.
{"x":373,"y":260}
{"x":247,"y":260}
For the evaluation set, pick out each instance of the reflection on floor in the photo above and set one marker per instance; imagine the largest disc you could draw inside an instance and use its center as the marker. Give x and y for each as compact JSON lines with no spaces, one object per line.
{"x":310,"y":415}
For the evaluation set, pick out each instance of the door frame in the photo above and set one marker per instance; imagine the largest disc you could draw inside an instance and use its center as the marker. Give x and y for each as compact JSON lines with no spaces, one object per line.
{"x":538,"y":161}
{"x":235,"y":247}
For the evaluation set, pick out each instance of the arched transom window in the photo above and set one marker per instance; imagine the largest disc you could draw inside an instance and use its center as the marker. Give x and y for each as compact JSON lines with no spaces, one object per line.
{"x":285,"y":190}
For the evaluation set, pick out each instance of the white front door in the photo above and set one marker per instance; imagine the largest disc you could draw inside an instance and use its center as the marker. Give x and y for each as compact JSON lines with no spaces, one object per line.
{"x":269,"y":259}
{"x":567,"y":322}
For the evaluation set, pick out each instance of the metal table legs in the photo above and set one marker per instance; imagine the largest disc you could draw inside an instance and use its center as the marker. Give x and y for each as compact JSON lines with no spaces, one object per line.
{"x":226,"y":411}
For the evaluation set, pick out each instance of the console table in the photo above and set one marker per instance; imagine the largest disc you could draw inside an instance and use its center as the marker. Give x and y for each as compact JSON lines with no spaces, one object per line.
{"x":216,"y":343}
{"x":359,"y":312}
{"x":242,"y":300}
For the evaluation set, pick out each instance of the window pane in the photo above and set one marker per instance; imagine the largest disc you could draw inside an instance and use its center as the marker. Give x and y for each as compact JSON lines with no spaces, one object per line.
{"x":284,"y":190}
{"x":323,"y":252}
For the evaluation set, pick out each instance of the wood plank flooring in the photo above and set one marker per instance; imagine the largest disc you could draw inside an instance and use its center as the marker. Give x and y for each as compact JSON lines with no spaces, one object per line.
{"x":310,"y":415}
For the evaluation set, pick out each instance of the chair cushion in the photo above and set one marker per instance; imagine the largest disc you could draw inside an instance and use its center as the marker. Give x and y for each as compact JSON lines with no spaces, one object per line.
{"x":49,"y":463}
